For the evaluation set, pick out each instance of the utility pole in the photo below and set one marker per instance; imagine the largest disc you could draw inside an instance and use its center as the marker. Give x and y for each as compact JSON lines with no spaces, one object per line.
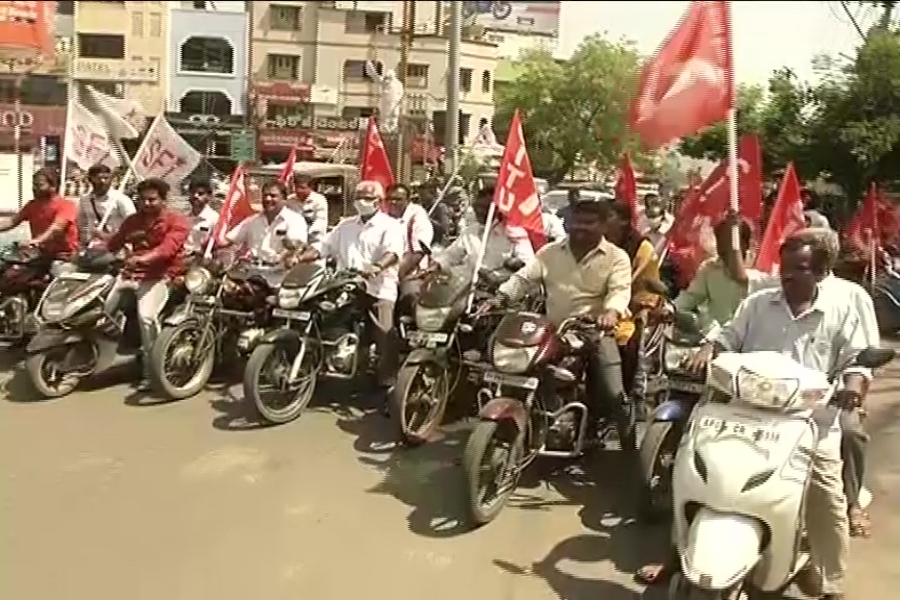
{"x":451,"y":121}
{"x":888,"y":11}
{"x":407,"y":34}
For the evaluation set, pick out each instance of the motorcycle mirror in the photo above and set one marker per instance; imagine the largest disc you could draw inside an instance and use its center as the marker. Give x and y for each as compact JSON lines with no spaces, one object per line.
{"x":687,"y":321}
{"x":872,"y":358}
{"x":513,"y":263}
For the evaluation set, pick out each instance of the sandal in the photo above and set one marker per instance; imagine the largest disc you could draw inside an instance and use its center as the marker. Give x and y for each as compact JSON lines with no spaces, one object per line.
{"x":653,"y":574}
{"x":860,"y":523}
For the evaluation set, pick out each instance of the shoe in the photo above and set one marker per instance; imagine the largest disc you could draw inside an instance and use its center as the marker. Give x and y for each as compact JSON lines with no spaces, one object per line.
{"x":143,"y":385}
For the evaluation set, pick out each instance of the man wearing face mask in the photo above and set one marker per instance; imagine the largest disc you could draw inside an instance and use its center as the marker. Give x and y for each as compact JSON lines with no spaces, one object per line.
{"x":371,"y":242}
{"x":156,"y":235}
{"x":50,"y":217}
{"x":103,"y":210}
{"x":314,"y":208}
{"x":656,"y":222}
{"x":202,"y":217}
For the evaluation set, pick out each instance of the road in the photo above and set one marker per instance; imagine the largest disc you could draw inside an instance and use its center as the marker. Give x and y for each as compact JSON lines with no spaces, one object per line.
{"x":106,"y":498}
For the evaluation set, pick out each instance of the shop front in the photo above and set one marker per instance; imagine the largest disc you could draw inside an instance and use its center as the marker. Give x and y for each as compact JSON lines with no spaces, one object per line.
{"x":210,"y":135}
{"x":48,"y":122}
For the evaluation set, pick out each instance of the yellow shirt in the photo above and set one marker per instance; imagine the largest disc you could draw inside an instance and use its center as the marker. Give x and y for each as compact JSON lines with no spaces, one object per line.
{"x":645,"y":267}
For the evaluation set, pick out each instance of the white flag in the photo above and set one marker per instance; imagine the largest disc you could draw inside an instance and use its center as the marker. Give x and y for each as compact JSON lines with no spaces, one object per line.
{"x":124,"y":118}
{"x":165,"y":154}
{"x":87,"y":142}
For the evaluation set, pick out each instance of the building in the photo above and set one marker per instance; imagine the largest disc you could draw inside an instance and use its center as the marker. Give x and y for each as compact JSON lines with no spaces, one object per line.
{"x":207,"y":65}
{"x":309,"y":84}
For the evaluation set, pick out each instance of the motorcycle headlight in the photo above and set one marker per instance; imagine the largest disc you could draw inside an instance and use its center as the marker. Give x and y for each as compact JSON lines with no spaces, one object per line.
{"x":512,"y":360}
{"x":432,"y":319}
{"x":677,"y":357}
{"x":197,"y":279}
{"x":289,"y":298}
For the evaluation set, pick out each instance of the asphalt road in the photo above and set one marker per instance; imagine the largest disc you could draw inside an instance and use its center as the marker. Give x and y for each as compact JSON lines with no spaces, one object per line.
{"x":104,"y":498}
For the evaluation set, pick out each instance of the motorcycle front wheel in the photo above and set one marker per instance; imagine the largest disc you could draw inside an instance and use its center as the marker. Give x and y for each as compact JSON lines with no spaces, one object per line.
{"x":491,"y":464}
{"x":420,"y":399}
{"x":657,"y":456}
{"x":47,"y":373}
{"x":267,"y":385}
{"x":176,"y":372}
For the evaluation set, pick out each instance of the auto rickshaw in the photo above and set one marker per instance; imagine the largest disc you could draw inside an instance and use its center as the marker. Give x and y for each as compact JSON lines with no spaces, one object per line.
{"x":335,"y":181}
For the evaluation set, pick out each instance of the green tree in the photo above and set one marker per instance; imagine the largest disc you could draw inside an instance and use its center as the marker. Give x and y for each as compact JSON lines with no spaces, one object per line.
{"x":574,"y":112}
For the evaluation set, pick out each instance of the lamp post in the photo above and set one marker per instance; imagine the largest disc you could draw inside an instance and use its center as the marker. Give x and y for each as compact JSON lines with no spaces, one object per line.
{"x":18,"y":69}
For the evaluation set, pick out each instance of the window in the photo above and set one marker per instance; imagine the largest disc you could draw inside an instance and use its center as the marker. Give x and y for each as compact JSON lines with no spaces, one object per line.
{"x":286,"y":115}
{"x":285,"y":18}
{"x":283,"y":66}
{"x":97,"y":45}
{"x":207,"y":55}
{"x":206,"y":103}
{"x":65,"y":8}
{"x":200,"y":4}
{"x":40,"y":90}
{"x":358,"y":21}
{"x":416,"y":76}
{"x":486,"y":82}
{"x":465,"y":80}
{"x":155,"y":24}
{"x":137,"y":24}
{"x":355,"y":70}
{"x":355,"y":112}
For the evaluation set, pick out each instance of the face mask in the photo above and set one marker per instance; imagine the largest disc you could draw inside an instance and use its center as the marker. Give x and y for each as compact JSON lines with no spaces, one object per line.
{"x":365,"y":208}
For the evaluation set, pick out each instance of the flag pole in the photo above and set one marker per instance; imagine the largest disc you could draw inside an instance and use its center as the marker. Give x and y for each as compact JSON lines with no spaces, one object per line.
{"x":872,"y":261}
{"x":70,"y":90}
{"x":488,"y":225}
{"x":731,"y":127}
{"x":143,"y":145}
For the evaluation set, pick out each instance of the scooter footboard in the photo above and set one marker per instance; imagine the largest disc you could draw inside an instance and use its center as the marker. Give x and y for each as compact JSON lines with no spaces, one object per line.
{"x":721,"y":549}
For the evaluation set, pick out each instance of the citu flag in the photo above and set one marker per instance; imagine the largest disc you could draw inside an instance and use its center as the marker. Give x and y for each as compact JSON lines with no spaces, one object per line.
{"x":375,"y":165}
{"x":516,"y":195}
{"x":786,"y":218}
{"x":626,"y":188}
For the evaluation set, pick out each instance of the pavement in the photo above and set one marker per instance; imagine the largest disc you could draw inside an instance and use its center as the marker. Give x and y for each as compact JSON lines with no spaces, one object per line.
{"x":109,"y":498}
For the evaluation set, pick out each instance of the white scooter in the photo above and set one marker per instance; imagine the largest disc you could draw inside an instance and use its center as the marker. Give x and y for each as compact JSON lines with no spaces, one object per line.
{"x":741,"y":474}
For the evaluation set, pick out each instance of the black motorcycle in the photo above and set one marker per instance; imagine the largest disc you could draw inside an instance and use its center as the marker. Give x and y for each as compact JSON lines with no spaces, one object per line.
{"x":320,"y":319}
{"x":24,"y":276}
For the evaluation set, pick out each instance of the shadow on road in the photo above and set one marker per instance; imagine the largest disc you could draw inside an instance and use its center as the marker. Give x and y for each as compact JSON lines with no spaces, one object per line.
{"x":233,"y":414}
{"x":18,"y":388}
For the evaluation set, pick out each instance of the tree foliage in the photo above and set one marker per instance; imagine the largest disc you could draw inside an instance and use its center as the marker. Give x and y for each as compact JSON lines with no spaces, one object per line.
{"x":574,"y":111}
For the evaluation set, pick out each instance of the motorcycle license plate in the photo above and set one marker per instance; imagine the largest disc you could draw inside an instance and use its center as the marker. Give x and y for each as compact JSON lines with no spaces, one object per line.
{"x":691,"y":387}
{"x":519,"y":381}
{"x":422,"y":338}
{"x":298,"y":315}
{"x":75,"y":276}
{"x":742,"y":430}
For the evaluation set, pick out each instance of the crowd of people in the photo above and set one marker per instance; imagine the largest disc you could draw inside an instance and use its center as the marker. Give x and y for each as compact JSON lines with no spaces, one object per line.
{"x":601,"y":266}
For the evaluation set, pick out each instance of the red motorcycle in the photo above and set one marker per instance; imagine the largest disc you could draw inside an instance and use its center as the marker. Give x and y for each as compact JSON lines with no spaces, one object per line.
{"x":24,"y":275}
{"x":533,"y":404}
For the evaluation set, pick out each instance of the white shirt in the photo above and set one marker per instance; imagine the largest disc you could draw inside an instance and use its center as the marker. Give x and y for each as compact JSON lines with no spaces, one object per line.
{"x":657,"y":233}
{"x":553,"y":226}
{"x":358,"y":244}
{"x":92,"y":209}
{"x":266,"y":240}
{"x":417,"y":230}
{"x":202,"y":226}
{"x":502,"y":243}
{"x":315,"y":210}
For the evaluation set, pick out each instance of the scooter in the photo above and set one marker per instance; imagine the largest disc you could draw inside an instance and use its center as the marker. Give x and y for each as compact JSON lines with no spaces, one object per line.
{"x":742,"y":471}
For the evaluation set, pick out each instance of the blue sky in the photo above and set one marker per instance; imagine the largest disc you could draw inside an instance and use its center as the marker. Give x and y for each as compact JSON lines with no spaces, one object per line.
{"x":767,"y":35}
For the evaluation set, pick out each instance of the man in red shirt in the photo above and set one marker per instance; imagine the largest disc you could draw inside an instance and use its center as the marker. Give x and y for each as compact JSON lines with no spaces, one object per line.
{"x":50,"y":216}
{"x":156,"y":236}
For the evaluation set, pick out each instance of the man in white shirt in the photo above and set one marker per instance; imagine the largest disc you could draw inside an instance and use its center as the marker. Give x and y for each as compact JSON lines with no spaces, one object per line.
{"x":202,"y":216}
{"x":502,"y":243}
{"x":417,"y":230}
{"x":371,"y":242}
{"x":314,"y":207}
{"x":276,"y":235}
{"x":656,"y":222}
{"x":102,"y":210}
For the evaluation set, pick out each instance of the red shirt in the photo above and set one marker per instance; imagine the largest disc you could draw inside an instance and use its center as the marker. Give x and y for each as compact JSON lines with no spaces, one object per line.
{"x":41,"y":214}
{"x":161,"y":237}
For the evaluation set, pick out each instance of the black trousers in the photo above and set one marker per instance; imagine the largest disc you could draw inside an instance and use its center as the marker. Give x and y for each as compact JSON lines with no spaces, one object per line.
{"x":606,"y":392}
{"x":853,"y":450}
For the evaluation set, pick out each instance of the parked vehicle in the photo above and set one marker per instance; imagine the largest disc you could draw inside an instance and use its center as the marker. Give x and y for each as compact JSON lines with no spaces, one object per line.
{"x":676,"y":391}
{"x":535,"y":405}
{"x":756,"y":413}
{"x":224,"y":300}
{"x":24,"y":275}
{"x":319,"y":321}
{"x":335,"y":181}
{"x":75,"y":338}
{"x":886,"y":298}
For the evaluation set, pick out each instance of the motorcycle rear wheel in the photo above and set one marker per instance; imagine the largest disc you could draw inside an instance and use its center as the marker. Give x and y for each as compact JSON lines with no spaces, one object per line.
{"x":36,"y":365}
{"x":481,"y":445}
{"x":202,"y":370}
{"x":656,"y":441}
{"x":257,"y":366}
{"x":416,"y":432}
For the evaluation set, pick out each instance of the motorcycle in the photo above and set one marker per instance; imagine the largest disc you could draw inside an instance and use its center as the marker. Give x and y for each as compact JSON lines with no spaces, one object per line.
{"x":75,"y":338}
{"x":534,"y":405}
{"x":886,"y":298}
{"x":25,"y":275}
{"x":321,"y":317}
{"x":224,"y":300}
{"x":757,"y":412}
{"x":443,"y":346}
{"x":676,"y":390}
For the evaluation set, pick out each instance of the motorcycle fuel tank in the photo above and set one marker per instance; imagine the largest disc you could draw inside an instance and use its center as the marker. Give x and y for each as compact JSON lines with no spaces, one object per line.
{"x":522,"y":330}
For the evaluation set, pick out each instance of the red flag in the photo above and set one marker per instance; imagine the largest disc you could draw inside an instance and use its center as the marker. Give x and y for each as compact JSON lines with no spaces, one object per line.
{"x":689,"y":84}
{"x":287,"y":172}
{"x":786,"y":218}
{"x":876,"y":217}
{"x":626,"y":188}
{"x":703,"y":207}
{"x":235,"y":208}
{"x":516,"y":194}
{"x":375,"y":165}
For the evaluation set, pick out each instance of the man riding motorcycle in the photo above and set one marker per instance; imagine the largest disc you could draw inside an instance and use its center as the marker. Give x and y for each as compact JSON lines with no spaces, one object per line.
{"x":587,"y":275}
{"x":51,"y":217}
{"x":314,"y":208}
{"x":371,"y":242}
{"x":418,"y":231}
{"x":821,"y":331}
{"x":203,"y":217}
{"x":156,"y":235}
{"x":102,"y":210}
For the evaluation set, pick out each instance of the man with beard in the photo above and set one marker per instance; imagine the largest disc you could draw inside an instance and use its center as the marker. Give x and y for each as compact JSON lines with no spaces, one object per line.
{"x":50,"y":217}
{"x":102,"y":210}
{"x":203,"y":217}
{"x":314,"y":208}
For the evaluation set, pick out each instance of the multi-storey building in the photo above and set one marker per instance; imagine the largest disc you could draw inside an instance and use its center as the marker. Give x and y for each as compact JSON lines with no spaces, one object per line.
{"x":308,"y":70}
